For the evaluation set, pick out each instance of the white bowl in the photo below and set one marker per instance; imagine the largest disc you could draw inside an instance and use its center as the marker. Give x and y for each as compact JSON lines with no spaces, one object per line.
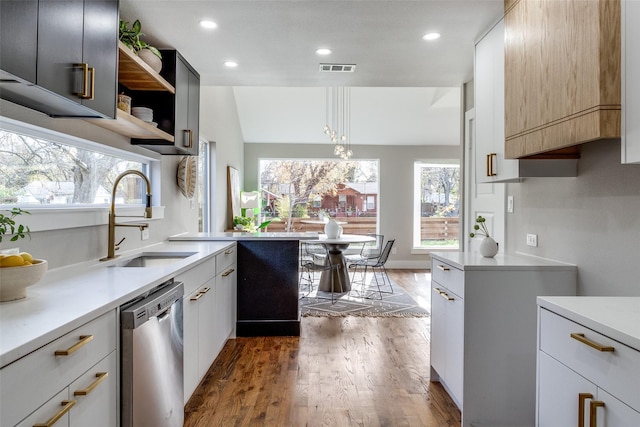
{"x":14,"y":280}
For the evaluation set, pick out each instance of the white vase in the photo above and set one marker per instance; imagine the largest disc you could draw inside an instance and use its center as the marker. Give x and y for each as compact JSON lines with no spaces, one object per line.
{"x":488,"y":247}
{"x":332,"y":229}
{"x":151,"y":59}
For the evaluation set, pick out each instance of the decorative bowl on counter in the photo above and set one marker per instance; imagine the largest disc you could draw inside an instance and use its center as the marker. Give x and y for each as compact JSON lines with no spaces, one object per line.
{"x":15,"y":280}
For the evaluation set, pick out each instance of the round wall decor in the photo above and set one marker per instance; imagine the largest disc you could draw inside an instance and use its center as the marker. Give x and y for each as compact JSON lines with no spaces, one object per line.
{"x":187,"y":176}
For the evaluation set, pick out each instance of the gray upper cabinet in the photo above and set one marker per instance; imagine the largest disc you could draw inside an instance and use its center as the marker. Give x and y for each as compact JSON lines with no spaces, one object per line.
{"x":69,"y":49}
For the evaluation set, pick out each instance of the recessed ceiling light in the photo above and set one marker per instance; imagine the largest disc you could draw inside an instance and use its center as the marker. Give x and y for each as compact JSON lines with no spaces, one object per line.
{"x":205,"y":23}
{"x":323,"y":51}
{"x":431,"y":36}
{"x":230,"y":64}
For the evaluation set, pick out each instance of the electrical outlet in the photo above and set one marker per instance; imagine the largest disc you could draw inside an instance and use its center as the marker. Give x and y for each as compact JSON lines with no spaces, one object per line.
{"x":145,"y":234}
{"x":532,"y":240}
{"x":510,"y":204}
{"x":394,"y":251}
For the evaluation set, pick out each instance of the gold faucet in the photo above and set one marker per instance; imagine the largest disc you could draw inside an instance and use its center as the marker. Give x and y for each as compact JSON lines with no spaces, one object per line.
{"x":112,"y":246}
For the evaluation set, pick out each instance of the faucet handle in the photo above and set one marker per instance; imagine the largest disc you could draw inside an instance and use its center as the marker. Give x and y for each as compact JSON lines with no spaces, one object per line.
{"x":117,"y":245}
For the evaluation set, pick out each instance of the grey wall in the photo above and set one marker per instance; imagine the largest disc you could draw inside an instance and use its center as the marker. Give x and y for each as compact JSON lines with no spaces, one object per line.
{"x":592,"y":221}
{"x":396,"y":184}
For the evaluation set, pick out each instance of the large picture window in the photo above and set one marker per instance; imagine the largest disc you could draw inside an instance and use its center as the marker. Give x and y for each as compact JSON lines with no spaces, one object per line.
{"x":436,"y":216}
{"x":41,"y":172}
{"x":300,"y":194}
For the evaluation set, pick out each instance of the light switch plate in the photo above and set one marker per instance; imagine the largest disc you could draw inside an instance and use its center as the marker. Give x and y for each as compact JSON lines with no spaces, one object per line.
{"x":532,"y":240}
{"x":510,"y":204}
{"x":145,"y":234}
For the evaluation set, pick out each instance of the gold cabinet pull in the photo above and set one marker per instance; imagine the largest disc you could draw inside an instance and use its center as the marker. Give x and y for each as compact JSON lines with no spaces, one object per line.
{"x":581,"y":399}
{"x":92,"y":86}
{"x":444,"y":294}
{"x":84,"y":339}
{"x":490,"y":157}
{"x":66,"y":407}
{"x":228,"y":272}
{"x":443,"y":268}
{"x":228,"y":252}
{"x":100,"y":376}
{"x":592,"y":344}
{"x":205,"y":290}
{"x":593,"y":412}
{"x":197,"y":297}
{"x":85,"y":80}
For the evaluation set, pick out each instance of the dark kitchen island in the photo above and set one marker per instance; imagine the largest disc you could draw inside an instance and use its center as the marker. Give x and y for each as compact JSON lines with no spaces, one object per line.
{"x":267,"y":281}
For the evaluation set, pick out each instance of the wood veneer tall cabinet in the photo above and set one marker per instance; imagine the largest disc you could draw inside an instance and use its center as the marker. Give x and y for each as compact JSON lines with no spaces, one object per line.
{"x":562,"y":74}
{"x":483,"y":331}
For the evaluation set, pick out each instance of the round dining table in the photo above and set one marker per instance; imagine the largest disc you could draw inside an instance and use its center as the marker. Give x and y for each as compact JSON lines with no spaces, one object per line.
{"x":335,"y":249}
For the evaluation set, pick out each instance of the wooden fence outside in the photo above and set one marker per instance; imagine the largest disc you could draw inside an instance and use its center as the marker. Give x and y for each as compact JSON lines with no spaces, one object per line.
{"x":431,"y":228}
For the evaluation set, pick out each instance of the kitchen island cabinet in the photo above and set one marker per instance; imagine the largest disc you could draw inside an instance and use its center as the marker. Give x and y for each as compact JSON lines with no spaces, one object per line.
{"x":588,"y":361}
{"x":630,"y":46}
{"x":483,"y":331}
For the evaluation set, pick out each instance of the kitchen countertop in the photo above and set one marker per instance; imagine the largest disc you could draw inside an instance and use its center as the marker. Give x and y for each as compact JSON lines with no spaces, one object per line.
{"x":246,"y":236}
{"x":616,"y":317}
{"x":68,"y":297}
{"x":475,"y":261}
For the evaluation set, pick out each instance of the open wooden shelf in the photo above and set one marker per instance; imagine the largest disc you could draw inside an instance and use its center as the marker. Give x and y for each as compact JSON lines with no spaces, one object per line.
{"x":136,"y":74}
{"x":128,"y":125}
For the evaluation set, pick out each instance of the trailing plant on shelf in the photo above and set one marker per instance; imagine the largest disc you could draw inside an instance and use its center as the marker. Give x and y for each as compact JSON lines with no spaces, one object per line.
{"x":130,"y":36}
{"x":8,"y":225}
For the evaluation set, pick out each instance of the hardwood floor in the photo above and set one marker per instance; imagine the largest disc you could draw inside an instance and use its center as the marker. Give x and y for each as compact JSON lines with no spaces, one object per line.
{"x":340,"y":372}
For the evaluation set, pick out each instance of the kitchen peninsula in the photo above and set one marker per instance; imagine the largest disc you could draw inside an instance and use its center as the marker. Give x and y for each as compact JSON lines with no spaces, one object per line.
{"x":267,"y":280}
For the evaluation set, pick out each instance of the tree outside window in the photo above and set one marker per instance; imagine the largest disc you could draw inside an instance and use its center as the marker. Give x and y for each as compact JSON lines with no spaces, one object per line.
{"x":437,"y":205}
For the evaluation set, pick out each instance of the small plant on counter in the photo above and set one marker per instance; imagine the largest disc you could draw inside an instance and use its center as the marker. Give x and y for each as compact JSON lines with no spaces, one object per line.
{"x":480,"y":228}
{"x":8,"y":225}
{"x":130,"y":36}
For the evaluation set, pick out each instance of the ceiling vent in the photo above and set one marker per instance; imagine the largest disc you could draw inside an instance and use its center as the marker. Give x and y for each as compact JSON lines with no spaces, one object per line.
{"x":337,"y":68}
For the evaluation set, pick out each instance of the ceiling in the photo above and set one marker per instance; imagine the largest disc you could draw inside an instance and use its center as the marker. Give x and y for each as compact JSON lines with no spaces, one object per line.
{"x":274,"y":44}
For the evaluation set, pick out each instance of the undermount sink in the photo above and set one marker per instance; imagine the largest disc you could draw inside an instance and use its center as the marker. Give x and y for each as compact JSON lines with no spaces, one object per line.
{"x":153,"y":259}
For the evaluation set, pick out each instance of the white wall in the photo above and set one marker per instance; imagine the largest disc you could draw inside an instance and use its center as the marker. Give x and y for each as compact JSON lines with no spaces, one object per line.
{"x":219,"y":123}
{"x":396,"y":184}
{"x":592,"y":221}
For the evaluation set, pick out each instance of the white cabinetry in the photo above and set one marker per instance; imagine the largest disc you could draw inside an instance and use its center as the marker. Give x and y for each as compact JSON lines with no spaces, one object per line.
{"x":585,"y":378}
{"x":73,"y":377}
{"x":630,"y":81}
{"x":490,"y":162}
{"x":209,"y":303}
{"x":483,"y":336}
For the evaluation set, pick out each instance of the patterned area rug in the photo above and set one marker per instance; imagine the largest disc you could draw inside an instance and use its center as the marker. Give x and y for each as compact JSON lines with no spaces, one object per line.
{"x":359,"y":303}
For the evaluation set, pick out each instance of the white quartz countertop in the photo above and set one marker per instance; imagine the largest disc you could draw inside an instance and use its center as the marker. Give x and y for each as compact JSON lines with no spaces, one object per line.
{"x":68,"y":297}
{"x":475,"y":261}
{"x":245,"y":236}
{"x":616,"y":317}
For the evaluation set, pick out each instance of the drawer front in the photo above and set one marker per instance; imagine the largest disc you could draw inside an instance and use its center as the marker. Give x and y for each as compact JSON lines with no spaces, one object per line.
{"x":198,"y":275}
{"x":34,"y":379}
{"x":616,"y":371}
{"x":448,"y":276}
{"x":226,"y":258}
{"x":50,"y":410}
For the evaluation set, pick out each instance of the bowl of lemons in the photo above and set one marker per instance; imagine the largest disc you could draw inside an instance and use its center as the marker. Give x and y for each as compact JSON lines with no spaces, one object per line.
{"x":17,"y":272}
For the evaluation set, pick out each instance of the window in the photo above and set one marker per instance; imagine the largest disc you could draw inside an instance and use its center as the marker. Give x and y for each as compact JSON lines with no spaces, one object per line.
{"x":206,"y":197}
{"x":436,"y":205}
{"x":46,"y":169}
{"x":298,"y":194}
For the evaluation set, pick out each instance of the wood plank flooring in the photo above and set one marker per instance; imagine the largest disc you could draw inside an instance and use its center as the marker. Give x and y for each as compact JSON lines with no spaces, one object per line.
{"x":340,"y":372}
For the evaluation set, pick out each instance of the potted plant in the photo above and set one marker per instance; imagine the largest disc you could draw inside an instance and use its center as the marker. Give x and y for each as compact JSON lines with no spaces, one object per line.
{"x":488,"y":247}
{"x":130,"y":37}
{"x":8,"y":225}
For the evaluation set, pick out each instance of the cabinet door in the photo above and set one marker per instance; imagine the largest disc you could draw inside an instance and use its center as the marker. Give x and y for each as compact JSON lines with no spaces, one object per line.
{"x":615,"y":413}
{"x":19,"y":37}
{"x":227,"y":287}
{"x":181,"y":124}
{"x":559,"y":390}
{"x":61,"y":403}
{"x":630,"y":81}
{"x":60,"y":27}
{"x":193,"y":123}
{"x":191,"y":338}
{"x":454,"y":367}
{"x":96,"y":396}
{"x":207,"y":327}
{"x":100,"y":51}
{"x":438,"y":331}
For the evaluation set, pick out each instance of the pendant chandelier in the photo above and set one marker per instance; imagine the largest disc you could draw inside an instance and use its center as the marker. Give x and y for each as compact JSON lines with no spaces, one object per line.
{"x":338,"y":120}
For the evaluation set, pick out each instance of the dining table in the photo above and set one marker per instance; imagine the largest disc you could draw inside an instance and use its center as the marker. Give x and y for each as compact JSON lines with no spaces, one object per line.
{"x":335,"y":248}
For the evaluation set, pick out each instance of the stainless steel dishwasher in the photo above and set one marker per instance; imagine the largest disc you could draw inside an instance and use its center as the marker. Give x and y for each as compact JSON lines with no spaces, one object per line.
{"x":152,"y":351}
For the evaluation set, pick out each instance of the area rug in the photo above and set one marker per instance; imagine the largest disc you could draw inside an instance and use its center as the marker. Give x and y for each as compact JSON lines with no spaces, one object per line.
{"x":355,"y":303}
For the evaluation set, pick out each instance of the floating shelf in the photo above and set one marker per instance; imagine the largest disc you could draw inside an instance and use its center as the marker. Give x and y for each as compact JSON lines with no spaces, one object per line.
{"x":136,"y":74}
{"x":128,"y":125}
